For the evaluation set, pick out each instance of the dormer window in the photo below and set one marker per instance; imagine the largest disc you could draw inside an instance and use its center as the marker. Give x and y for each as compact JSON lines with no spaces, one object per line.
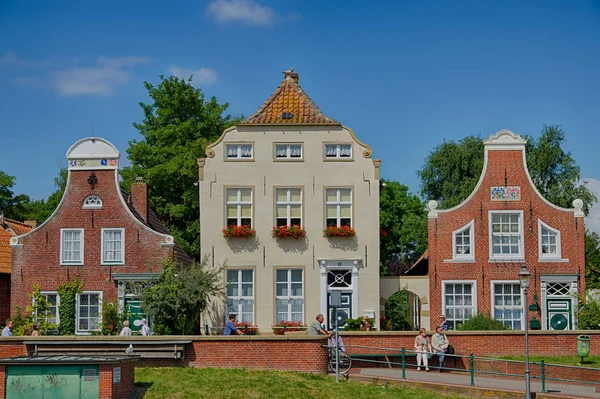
{"x":92,"y":202}
{"x":549,"y":242}
{"x":338,"y":151}
{"x":239,"y":151}
{"x":462,"y":243}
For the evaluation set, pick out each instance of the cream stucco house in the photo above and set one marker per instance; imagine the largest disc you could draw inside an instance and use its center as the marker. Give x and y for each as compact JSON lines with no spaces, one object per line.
{"x":288,"y":164}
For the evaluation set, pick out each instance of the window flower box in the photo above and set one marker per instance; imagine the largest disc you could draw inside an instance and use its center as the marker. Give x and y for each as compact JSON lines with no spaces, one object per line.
{"x":288,"y":326}
{"x":339,"y":231}
{"x":239,"y":231}
{"x":293,"y":231}
{"x":246,"y":327}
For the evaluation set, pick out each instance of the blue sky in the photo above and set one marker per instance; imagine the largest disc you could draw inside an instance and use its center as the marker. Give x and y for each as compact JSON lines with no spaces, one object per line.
{"x":403,"y":75}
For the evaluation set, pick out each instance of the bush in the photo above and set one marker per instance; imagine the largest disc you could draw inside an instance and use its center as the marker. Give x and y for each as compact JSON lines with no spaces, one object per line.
{"x":36,"y":314}
{"x":68,"y":307}
{"x":110,"y":319}
{"x":588,"y":317}
{"x":481,"y":322}
{"x":354,"y":324}
{"x":397,"y":312}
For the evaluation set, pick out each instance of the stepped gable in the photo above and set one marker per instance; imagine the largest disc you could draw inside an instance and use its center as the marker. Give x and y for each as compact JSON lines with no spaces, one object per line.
{"x":289,"y":105}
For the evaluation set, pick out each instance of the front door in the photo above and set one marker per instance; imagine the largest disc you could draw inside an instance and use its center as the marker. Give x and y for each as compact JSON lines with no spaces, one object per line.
{"x":343,"y":312}
{"x":559,"y":314}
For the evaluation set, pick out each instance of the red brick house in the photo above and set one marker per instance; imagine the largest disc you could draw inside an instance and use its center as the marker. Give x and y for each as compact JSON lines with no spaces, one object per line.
{"x":107,"y":237}
{"x":8,"y":229}
{"x":477,"y":248}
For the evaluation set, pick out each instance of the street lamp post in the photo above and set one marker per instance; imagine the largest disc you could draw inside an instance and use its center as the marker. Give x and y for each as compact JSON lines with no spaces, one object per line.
{"x":524,"y":278}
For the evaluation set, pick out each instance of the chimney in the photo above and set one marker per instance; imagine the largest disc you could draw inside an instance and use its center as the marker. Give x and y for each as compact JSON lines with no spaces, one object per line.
{"x":139,"y":197}
{"x":30,"y":223}
{"x":290,"y":74}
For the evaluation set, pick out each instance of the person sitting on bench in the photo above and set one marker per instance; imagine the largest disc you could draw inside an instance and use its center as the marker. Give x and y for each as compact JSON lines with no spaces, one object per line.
{"x":440,"y":343}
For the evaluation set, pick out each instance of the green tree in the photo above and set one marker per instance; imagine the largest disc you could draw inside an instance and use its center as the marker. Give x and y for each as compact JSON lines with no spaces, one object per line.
{"x":180,"y":295}
{"x":451,"y":170}
{"x":178,"y":125}
{"x":403,"y":228}
{"x":397,"y":311}
{"x":592,"y":260}
{"x":13,"y":206}
{"x":40,"y":210}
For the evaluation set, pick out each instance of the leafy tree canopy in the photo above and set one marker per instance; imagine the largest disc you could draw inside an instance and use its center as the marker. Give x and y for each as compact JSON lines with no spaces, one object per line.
{"x":40,"y":210}
{"x":403,"y":223}
{"x":592,"y":260}
{"x":179,"y":296}
{"x":12,"y":205}
{"x":178,"y":124}
{"x":452,"y":169}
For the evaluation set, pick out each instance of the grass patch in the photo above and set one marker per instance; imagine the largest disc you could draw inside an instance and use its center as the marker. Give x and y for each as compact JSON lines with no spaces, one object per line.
{"x":591,"y":361}
{"x":180,"y":383}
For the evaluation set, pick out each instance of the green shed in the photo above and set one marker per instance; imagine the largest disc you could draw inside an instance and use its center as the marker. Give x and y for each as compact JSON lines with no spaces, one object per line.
{"x":67,"y":377}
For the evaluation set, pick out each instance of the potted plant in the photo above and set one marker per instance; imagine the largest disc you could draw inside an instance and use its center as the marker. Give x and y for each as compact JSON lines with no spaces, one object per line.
{"x":294,"y":231}
{"x":339,"y":231}
{"x":239,"y":231}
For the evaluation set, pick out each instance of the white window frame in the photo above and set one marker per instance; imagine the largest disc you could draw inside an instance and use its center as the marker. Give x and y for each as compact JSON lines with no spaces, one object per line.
{"x":239,"y":204}
{"x":62,"y":247}
{"x":473,"y":284}
{"x":290,"y":297}
{"x":113,"y":262}
{"x":288,"y":204}
{"x":493,"y":284}
{"x":92,"y":202}
{"x":471,"y":256}
{"x":543,"y":256}
{"x":242,"y":315}
{"x":78,"y":316}
{"x":505,"y":257}
{"x":288,"y":151}
{"x":338,"y":151}
{"x":338,"y":202}
{"x":238,"y":155}
{"x":46,"y":293}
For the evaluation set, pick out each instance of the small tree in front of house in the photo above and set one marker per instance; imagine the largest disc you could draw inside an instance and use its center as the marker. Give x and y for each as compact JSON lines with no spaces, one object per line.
{"x":180,"y":295}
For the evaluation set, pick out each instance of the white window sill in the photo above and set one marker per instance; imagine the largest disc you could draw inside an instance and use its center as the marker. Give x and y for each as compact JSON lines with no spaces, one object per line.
{"x":71,"y":264}
{"x":506,"y":260}
{"x":112,"y":264}
{"x":552,"y":260}
{"x":458,"y":260}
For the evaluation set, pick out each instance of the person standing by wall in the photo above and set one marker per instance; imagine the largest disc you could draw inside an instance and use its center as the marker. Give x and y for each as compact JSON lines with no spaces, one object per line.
{"x":444,"y":323}
{"x":7,"y":331}
{"x":125,"y":331}
{"x":145,"y":330}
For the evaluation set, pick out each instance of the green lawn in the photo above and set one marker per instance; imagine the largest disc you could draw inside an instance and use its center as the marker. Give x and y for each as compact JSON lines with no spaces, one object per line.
{"x":178,"y":383}
{"x":592,"y":361}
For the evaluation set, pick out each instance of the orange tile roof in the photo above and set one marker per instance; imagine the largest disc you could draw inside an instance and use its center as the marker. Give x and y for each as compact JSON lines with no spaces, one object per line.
{"x":289,"y":105}
{"x":16,"y":228}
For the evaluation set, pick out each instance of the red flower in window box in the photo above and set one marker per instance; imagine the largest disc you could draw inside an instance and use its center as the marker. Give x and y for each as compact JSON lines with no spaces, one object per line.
{"x":339,"y":231}
{"x":288,"y":326}
{"x":294,"y":231}
{"x":247,"y":327}
{"x":239,"y":231}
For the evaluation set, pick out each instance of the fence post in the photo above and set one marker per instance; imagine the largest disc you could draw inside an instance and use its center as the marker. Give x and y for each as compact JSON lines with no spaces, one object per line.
{"x":543,"y":376}
{"x":403,"y":364}
{"x":206,"y":329}
{"x":472,"y":369}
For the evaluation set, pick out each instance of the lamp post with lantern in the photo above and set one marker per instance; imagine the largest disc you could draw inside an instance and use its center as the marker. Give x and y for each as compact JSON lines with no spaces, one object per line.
{"x":524,"y":278}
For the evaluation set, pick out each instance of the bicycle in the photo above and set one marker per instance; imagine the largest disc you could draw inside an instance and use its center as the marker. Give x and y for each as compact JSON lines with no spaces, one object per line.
{"x":344,"y":362}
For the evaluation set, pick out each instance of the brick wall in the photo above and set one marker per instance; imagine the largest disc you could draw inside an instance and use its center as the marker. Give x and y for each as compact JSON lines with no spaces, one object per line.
{"x":504,"y":168}
{"x":38,"y":261}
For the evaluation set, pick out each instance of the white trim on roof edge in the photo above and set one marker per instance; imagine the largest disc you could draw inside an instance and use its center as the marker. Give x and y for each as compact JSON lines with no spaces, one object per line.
{"x":102,"y":148}
{"x":504,"y":140}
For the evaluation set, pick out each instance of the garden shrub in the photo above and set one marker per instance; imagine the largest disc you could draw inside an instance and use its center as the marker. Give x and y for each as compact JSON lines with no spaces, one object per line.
{"x":68,"y":307}
{"x":397,"y":312}
{"x":110,"y":319}
{"x":481,"y":322}
{"x":588,"y":317}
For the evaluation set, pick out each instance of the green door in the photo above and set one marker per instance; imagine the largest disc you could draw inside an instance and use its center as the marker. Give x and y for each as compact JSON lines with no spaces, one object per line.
{"x":135,"y":313}
{"x":52,"y":382}
{"x":24,"y":382}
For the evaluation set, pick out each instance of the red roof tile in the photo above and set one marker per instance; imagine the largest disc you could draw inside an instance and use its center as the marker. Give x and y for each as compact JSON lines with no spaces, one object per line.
{"x":10,"y":229}
{"x":289,"y":105}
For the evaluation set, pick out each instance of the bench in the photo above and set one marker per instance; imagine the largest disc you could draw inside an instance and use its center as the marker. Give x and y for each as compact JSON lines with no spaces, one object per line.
{"x":154,"y":349}
{"x":386,"y":356}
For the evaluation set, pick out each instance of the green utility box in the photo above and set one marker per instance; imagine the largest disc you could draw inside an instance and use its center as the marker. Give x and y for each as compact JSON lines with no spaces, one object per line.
{"x":583,"y":346}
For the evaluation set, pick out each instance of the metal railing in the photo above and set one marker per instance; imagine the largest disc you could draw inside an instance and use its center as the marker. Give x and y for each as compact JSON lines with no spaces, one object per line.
{"x":472,"y":364}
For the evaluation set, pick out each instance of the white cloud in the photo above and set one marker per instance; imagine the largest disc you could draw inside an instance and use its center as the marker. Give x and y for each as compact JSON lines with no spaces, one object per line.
{"x":9,"y":58}
{"x":592,"y":221}
{"x":247,"y":11}
{"x":201,"y":77}
{"x":102,"y":79}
